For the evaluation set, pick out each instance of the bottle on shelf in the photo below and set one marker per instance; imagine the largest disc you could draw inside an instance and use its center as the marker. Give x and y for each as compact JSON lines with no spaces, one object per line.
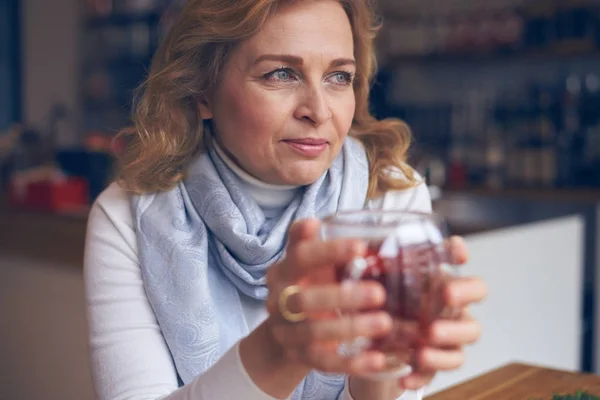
{"x":539,"y":31}
{"x":575,"y":24}
{"x":590,"y":121}
{"x":568,"y":138}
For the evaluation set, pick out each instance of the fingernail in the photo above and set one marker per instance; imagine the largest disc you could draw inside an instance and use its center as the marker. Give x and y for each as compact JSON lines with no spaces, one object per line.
{"x":379,"y":322}
{"x":370,"y":294}
{"x":441,"y":334}
{"x":455,"y":295}
{"x":358,"y":247}
{"x":370,"y":363}
{"x":367,"y":294}
{"x":409,"y":382}
{"x":376,"y":323}
{"x":375,"y":364}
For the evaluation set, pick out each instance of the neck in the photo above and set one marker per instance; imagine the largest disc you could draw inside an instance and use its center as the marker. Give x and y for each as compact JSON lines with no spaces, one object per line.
{"x":267,"y":196}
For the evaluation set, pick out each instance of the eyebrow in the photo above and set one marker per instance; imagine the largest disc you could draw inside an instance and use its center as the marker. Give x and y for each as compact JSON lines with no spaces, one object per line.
{"x":295,"y":60}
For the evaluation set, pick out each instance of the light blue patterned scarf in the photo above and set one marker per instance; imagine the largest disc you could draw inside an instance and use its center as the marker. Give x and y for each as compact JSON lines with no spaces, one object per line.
{"x":206,"y":244}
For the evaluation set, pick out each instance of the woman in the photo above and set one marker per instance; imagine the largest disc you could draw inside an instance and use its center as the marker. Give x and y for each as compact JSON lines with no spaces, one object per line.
{"x":240,"y":141}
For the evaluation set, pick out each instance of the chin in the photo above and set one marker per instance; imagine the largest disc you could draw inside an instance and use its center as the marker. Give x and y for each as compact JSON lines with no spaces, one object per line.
{"x":303,"y":176}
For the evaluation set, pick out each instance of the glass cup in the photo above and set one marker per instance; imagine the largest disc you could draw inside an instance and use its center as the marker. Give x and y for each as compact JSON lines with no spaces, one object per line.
{"x":408,"y":254}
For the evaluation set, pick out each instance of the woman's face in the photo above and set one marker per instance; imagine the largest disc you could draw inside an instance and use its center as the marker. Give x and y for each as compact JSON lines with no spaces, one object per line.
{"x":286,"y":101}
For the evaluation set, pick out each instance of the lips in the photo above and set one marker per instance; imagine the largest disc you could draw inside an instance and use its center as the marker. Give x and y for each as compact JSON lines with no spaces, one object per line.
{"x":308,"y":147}
{"x":308,"y":141}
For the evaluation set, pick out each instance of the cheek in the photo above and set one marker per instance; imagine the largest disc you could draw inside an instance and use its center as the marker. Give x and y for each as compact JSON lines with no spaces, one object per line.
{"x":344,"y":114}
{"x":248,"y":114}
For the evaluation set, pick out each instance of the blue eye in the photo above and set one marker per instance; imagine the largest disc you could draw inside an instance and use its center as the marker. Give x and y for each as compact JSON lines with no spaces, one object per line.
{"x":280,"y":75}
{"x":342,"y":78}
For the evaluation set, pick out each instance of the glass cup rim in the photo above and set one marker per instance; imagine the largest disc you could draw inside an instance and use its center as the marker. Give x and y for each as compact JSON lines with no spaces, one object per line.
{"x":344,"y":218}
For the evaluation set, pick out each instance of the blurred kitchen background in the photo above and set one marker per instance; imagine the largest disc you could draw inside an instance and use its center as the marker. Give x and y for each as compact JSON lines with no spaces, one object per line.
{"x":503,"y":97}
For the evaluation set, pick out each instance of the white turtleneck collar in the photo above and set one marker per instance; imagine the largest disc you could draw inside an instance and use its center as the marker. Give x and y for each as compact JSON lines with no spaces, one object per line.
{"x":267,"y":196}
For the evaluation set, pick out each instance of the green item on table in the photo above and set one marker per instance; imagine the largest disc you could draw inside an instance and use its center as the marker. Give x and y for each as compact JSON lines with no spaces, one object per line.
{"x":580,"y":395}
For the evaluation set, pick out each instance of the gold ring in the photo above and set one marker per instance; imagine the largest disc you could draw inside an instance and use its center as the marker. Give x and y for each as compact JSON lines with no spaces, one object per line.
{"x":283,"y":298}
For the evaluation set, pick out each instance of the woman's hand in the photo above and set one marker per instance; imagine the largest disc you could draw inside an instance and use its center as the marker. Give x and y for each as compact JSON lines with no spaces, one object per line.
{"x":280,"y":352}
{"x":447,"y":338}
{"x":309,"y":266}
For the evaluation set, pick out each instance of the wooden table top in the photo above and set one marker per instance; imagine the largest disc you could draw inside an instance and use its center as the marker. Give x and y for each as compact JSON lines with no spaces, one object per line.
{"x":521,"y":382}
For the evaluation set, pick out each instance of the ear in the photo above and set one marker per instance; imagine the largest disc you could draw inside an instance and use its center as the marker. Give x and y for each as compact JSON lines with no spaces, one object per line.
{"x":205,"y":109}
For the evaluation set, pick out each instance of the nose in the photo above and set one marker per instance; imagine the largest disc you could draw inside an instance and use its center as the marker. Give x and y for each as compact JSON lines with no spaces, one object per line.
{"x":314,"y":106}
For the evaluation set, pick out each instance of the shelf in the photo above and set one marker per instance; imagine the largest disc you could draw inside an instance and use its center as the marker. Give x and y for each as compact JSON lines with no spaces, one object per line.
{"x":573,"y":195}
{"x":121,"y":20}
{"x":518,"y":56}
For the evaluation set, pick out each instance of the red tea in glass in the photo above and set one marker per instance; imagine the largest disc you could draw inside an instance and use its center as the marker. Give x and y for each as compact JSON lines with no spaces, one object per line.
{"x":407,"y":255}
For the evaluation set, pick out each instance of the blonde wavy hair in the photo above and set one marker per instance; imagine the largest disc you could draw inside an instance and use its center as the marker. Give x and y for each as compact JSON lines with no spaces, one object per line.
{"x":168,"y":132}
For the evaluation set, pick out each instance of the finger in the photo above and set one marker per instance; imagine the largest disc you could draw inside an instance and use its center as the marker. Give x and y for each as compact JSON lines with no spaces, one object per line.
{"x":434,"y":359}
{"x":343,"y":329}
{"x":416,"y":380}
{"x":326,"y":359}
{"x":458,"y":250}
{"x":308,"y":256}
{"x":454,"y":333}
{"x":306,"y":229}
{"x":365,"y":363}
{"x":303,"y":230}
{"x":460,"y":292}
{"x":347,"y":296}
{"x":275,"y":277}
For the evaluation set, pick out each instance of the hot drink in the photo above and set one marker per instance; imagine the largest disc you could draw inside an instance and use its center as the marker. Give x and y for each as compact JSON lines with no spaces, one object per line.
{"x":407,"y":255}
{"x":413,"y":278}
